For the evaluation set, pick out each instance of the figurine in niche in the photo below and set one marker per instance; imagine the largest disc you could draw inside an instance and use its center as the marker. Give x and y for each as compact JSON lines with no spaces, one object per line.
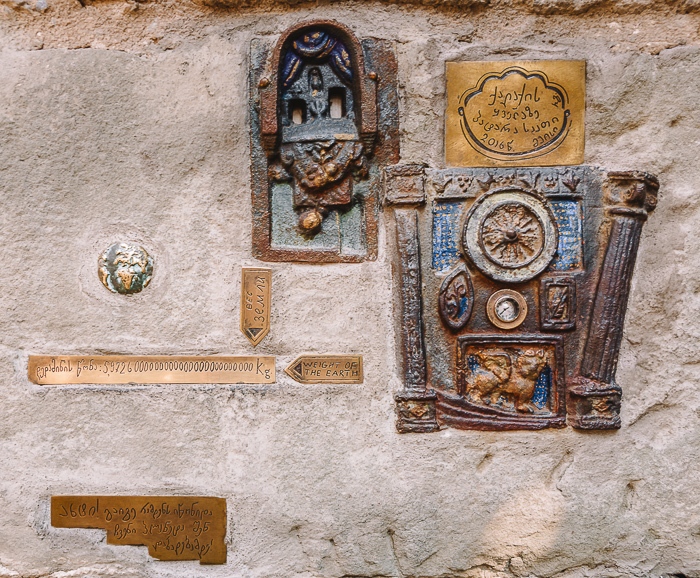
{"x":488,"y":372}
{"x":320,"y":149}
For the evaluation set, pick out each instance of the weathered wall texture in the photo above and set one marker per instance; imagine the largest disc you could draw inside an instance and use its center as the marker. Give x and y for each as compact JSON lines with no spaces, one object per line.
{"x":123,"y":120}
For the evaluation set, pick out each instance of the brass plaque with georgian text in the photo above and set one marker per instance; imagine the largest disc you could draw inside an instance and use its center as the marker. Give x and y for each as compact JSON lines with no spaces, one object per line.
{"x":256,"y":297}
{"x":173,"y":527}
{"x":121,"y":369}
{"x":513,"y":114}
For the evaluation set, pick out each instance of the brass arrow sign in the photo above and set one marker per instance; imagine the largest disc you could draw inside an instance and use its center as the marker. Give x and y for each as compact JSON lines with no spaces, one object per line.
{"x":256,"y":294}
{"x":326,"y":369}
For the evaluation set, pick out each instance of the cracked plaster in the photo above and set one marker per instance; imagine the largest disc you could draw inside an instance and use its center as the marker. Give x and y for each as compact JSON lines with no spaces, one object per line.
{"x":123,"y":119}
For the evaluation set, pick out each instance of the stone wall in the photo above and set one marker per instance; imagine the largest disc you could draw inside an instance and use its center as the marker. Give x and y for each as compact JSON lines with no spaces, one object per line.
{"x":128,"y":120}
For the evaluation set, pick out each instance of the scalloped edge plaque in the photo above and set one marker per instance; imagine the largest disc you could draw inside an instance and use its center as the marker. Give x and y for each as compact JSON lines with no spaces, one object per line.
{"x":515,"y":113}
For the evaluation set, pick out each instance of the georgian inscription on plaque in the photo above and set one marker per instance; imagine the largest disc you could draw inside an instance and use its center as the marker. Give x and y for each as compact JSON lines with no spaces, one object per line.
{"x":173,"y":527}
{"x":118,"y":369}
{"x":256,"y":292}
{"x":515,"y":113}
{"x":456,"y":299}
{"x":326,"y":369}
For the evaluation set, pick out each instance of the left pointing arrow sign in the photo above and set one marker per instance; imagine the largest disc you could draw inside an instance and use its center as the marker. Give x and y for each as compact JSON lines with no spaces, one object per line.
{"x":326,"y":369}
{"x":256,"y":296}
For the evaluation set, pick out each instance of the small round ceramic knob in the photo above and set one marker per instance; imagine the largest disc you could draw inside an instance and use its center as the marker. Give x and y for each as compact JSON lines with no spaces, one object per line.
{"x":310,"y":221}
{"x":125,"y":268}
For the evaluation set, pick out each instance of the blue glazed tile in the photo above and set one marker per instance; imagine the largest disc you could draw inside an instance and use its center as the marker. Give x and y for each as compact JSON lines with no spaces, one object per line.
{"x":542,"y":388}
{"x":569,"y":256}
{"x":446,"y":233}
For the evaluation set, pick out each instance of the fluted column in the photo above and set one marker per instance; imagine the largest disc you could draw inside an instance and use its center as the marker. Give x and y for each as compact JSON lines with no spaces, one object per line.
{"x":595,"y":397}
{"x":415,"y":402}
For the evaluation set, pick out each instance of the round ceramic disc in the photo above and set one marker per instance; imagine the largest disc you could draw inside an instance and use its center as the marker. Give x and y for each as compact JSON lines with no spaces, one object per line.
{"x":510,"y":235}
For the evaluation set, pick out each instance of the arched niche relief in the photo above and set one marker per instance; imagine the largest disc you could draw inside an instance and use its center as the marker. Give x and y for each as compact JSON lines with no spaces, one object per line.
{"x":324,"y":122}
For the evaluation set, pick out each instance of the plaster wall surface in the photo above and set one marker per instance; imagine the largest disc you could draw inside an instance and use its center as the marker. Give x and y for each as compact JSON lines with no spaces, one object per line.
{"x":124,"y":120}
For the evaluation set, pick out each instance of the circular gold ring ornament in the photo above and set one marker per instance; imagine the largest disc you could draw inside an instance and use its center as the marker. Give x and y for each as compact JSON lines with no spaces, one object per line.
{"x":506,"y":309}
{"x":510,"y":235}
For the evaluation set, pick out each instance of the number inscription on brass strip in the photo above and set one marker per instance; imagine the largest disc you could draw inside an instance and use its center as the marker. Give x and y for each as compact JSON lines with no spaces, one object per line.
{"x":119,"y":369}
{"x":326,"y":369}
{"x":517,"y":113}
{"x":173,"y":527}
{"x":256,"y":295}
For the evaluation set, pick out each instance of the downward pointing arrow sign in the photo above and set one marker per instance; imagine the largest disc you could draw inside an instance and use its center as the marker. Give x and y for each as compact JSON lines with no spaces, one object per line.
{"x":256,"y":296}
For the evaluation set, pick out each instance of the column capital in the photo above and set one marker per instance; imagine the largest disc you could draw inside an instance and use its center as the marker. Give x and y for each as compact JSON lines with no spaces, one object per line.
{"x":631,"y":192}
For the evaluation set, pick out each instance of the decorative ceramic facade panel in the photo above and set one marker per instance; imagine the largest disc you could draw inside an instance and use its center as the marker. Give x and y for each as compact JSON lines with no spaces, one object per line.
{"x":323,"y":109}
{"x":523,"y":278}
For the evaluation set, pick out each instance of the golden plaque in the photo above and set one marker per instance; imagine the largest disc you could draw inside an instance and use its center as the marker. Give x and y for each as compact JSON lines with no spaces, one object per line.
{"x":256,"y":291}
{"x":173,"y":527}
{"x":326,"y":369}
{"x":116,"y":369}
{"x":515,"y":114}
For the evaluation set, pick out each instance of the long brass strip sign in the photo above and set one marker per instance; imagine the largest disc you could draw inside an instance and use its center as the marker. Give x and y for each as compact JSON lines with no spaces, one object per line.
{"x":173,"y":527}
{"x":256,"y":296}
{"x":148,"y":369}
{"x":326,"y":369}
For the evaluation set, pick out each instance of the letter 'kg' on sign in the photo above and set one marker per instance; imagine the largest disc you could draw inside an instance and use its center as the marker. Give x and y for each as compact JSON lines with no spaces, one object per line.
{"x":173,"y":527}
{"x":256,"y":295}
{"x":326,"y":369}
{"x":515,"y":114}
